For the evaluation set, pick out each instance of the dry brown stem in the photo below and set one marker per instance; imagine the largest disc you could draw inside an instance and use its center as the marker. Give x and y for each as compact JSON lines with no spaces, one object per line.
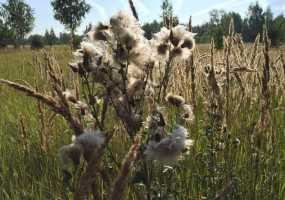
{"x":121,"y":181}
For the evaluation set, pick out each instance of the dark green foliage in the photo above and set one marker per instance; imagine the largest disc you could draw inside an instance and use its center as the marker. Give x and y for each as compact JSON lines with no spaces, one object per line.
{"x":18,"y":17}
{"x":218,"y":33}
{"x":168,"y":17}
{"x":203,"y":33}
{"x":50,"y":37}
{"x":70,"y":13}
{"x":151,"y":28}
{"x":226,"y":19}
{"x":255,"y":21}
{"x":249,"y":27}
{"x":277,"y":31}
{"x":64,"y":38}
{"x":6,"y":35}
{"x":36,"y":41}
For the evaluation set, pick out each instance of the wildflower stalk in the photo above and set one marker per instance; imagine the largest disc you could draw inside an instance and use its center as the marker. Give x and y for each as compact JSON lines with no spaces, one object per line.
{"x":265,"y":80}
{"x":212,"y":81}
{"x":228,"y":53}
{"x":24,"y":135}
{"x":283,"y":62}
{"x":166,"y":77}
{"x":89,"y":176}
{"x":74,"y":123}
{"x":89,"y":95}
{"x":121,"y":181}
{"x":133,"y":8}
{"x":193,"y":73}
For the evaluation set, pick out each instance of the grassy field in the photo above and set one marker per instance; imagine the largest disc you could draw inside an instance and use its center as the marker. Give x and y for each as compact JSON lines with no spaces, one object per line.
{"x":240,"y":161}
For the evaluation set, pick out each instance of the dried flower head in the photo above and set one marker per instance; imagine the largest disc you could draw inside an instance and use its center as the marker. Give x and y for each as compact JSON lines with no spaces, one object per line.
{"x":169,"y":149}
{"x":69,"y":155}
{"x":175,"y":100}
{"x":187,"y":113}
{"x":101,"y":32}
{"x":90,"y":139}
{"x":70,"y":95}
{"x":177,"y":42}
{"x":156,"y":119}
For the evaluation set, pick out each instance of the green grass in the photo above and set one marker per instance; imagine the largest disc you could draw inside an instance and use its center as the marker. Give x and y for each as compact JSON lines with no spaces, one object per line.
{"x":31,"y":173}
{"x":256,"y":172}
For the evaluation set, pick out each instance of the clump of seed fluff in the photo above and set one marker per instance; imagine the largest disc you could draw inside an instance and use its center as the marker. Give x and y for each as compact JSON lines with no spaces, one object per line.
{"x":170,"y":148}
{"x":175,"y":42}
{"x":85,"y":144}
{"x":117,"y":56}
{"x":185,"y":110}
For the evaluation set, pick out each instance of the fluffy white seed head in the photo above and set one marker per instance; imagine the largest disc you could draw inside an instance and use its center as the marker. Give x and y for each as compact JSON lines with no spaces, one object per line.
{"x":177,"y":42}
{"x":70,"y":95}
{"x":175,"y":100}
{"x":169,"y":149}
{"x":187,"y":113}
{"x":90,"y":139}
{"x":69,"y":156}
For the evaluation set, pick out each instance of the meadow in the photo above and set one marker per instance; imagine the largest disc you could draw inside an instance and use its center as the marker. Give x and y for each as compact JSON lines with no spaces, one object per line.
{"x":239,"y":143}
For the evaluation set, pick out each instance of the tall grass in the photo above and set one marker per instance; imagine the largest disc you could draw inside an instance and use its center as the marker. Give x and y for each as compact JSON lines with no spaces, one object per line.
{"x":233,"y":159}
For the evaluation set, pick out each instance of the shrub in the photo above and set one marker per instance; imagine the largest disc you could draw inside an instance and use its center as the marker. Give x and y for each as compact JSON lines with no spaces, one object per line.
{"x":36,"y":42}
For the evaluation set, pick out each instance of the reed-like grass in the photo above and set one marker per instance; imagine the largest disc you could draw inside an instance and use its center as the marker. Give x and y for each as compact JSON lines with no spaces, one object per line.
{"x":231,"y":159}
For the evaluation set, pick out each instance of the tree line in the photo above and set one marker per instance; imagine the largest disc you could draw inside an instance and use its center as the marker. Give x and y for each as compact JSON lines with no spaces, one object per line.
{"x":248,"y":27}
{"x":17,"y":21}
{"x":217,"y":26}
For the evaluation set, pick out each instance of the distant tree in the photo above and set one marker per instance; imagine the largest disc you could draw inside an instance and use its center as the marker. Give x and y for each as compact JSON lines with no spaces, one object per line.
{"x":50,"y":37}
{"x":203,"y":33}
{"x":216,"y":29}
{"x":6,"y":35}
{"x":70,"y":13}
{"x":215,"y":16}
{"x":226,"y":19}
{"x":245,"y":30}
{"x":151,"y":28}
{"x":268,"y":16}
{"x":277,"y":31}
{"x":255,"y":21}
{"x":64,"y":38}
{"x":18,"y":17}
{"x":168,"y":17}
{"x":36,"y":41}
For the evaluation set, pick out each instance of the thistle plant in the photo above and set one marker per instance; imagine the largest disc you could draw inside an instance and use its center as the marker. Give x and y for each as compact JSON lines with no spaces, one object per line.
{"x":119,"y":89}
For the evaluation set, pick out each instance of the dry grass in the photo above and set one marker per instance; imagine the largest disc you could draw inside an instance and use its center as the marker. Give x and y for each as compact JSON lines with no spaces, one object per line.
{"x":238,"y":130}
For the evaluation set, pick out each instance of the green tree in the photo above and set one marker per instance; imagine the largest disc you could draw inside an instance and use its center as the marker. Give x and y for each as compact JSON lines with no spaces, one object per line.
{"x":6,"y":35}
{"x":203,"y":33}
{"x":151,"y":28}
{"x":18,"y":17}
{"x":64,"y":38}
{"x":70,"y":13}
{"x":277,"y":31}
{"x":36,"y":41}
{"x":226,"y":19}
{"x":255,"y":21}
{"x":50,"y":37}
{"x":216,"y":29}
{"x":168,"y":17}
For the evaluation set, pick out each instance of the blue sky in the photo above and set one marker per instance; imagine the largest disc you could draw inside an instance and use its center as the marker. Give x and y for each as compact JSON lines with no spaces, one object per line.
{"x":147,"y":9}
